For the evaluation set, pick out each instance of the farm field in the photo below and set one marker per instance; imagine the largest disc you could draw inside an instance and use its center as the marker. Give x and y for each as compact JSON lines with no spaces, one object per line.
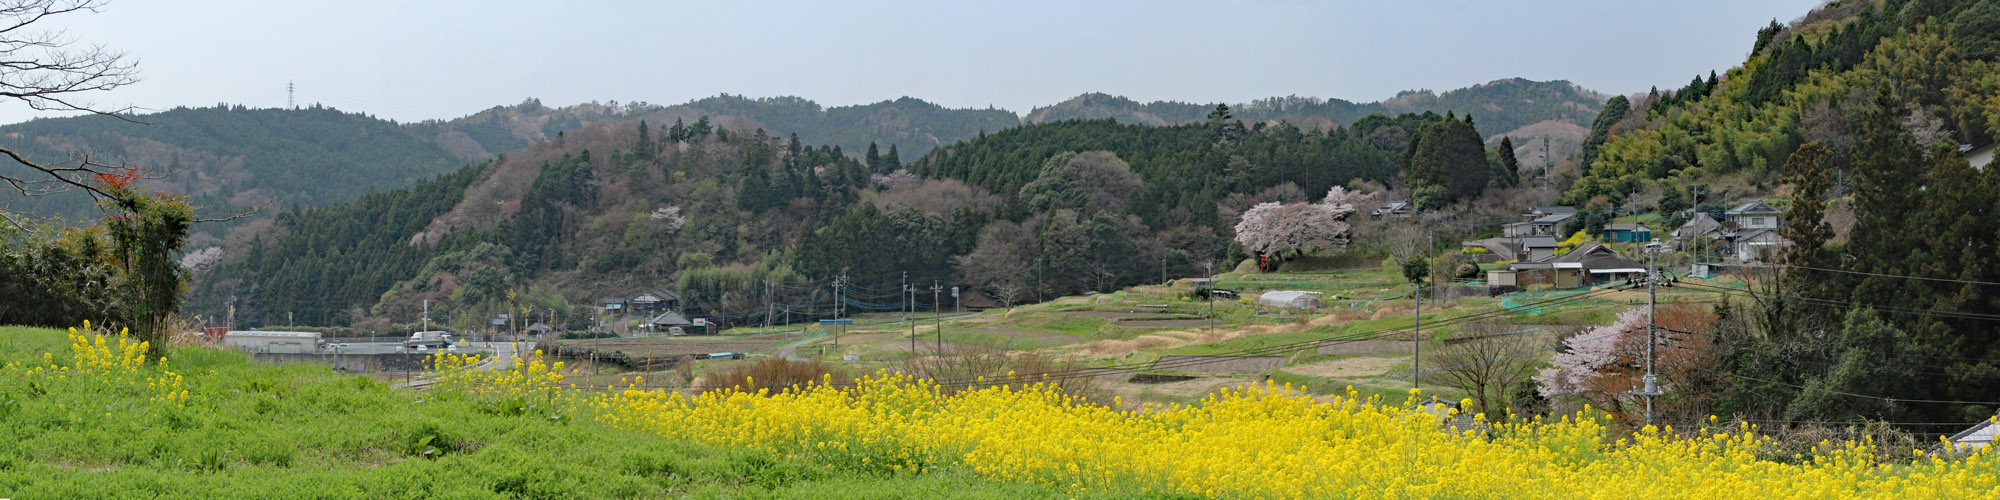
{"x":1119,"y":334}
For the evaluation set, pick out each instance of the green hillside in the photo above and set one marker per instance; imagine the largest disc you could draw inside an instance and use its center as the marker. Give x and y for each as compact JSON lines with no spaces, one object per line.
{"x":230,"y":158}
{"x":1851,"y":120}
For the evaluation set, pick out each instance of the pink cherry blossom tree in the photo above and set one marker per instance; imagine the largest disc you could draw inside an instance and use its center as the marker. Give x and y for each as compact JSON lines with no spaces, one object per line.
{"x":1279,"y":228}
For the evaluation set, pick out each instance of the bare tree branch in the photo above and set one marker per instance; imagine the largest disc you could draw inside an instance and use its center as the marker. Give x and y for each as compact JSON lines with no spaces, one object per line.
{"x":40,"y":68}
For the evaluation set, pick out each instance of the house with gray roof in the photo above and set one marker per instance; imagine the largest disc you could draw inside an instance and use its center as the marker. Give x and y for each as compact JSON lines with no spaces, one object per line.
{"x":1754,"y":214}
{"x":1537,"y":248}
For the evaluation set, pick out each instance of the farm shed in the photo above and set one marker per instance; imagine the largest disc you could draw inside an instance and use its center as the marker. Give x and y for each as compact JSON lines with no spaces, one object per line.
{"x":1289,"y":300}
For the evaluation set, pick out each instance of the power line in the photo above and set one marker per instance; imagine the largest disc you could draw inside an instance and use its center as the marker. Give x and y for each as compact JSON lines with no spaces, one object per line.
{"x":1849,"y":305}
{"x":1864,"y":273}
{"x":1849,"y":394}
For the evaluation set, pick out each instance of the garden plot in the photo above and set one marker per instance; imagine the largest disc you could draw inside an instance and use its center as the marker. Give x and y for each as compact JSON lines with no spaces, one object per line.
{"x":1347,"y":367}
{"x":1219,"y":364}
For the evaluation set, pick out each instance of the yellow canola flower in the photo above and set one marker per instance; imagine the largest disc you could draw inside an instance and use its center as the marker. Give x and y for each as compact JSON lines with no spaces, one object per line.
{"x":1268,"y":442}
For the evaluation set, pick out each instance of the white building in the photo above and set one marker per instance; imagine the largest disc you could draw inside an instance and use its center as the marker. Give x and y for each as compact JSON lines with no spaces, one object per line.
{"x":279,"y":342}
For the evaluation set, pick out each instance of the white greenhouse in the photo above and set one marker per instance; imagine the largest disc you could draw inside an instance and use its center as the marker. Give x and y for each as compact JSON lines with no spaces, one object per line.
{"x":1289,"y":300}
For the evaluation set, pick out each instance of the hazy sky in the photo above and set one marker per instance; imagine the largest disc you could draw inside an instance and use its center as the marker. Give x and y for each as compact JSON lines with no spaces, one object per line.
{"x":415,"y":60}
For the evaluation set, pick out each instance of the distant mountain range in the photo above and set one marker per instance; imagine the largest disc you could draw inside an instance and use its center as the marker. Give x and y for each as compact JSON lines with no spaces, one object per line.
{"x":230,"y":157}
{"x":1514,"y":106}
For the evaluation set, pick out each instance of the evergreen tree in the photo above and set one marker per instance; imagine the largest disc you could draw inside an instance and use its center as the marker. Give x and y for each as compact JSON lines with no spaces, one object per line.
{"x":874,"y":160}
{"x":1600,"y":129}
{"x":644,"y":147}
{"x":1887,"y":181}
{"x":1450,"y":155}
{"x":1510,"y":167}
{"x":893,"y":160}
{"x":700,"y":129}
{"x":678,"y":133}
{"x":1805,"y":223}
{"x":1765,"y":34}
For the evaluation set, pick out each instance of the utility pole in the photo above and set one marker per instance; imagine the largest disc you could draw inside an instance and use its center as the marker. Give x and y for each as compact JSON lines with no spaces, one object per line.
{"x":769,"y":306}
{"x":954,"y":301}
{"x":1417,"y":344}
{"x":1163,"y":271}
{"x":1548,"y":165}
{"x":427,"y":315}
{"x":937,"y":315}
{"x":1652,"y":387}
{"x":290,"y":91}
{"x":1041,"y":279}
{"x":909,"y":299}
{"x":288,"y":319}
{"x":836,"y":309}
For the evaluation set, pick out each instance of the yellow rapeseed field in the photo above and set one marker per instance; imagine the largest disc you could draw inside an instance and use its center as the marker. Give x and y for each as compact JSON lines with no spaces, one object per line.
{"x":1252,"y":442}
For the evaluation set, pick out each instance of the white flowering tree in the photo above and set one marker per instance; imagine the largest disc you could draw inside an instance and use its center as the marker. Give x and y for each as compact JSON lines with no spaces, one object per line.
{"x":1594,"y":366}
{"x":1275,"y":229}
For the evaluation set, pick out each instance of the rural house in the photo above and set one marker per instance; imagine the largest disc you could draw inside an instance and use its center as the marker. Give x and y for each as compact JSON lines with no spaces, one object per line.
{"x":1537,"y":248}
{"x":666,"y":321}
{"x":612,"y":306}
{"x":1601,"y":263}
{"x":1540,"y":221}
{"x":1701,"y":226}
{"x":1754,"y":214}
{"x":653,"y":301}
{"x":1627,"y":233}
{"x":1750,"y":245}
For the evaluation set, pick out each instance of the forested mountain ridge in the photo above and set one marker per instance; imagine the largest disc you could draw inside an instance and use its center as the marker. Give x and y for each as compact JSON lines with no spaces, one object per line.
{"x":1510,"y":107}
{"x":715,"y":213}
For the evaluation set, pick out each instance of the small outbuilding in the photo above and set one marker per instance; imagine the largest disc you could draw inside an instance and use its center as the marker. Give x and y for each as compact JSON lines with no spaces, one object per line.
{"x":1289,"y":300}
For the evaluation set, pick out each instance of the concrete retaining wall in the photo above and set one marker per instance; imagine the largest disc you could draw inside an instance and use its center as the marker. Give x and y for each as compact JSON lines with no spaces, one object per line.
{"x":366,"y":363}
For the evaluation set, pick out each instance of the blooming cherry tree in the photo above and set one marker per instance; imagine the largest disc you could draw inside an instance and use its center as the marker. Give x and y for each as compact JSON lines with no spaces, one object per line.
{"x":1277,"y":228}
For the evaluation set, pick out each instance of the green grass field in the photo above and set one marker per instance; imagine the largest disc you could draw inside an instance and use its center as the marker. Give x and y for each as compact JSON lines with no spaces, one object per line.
{"x":255,"y":430}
